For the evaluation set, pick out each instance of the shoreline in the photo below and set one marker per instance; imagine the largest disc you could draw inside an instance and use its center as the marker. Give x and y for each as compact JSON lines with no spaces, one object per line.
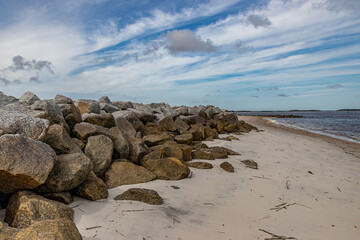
{"x":350,"y":146}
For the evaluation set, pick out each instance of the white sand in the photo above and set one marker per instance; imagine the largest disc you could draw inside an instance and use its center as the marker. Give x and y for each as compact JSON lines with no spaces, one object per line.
{"x":214,"y":204}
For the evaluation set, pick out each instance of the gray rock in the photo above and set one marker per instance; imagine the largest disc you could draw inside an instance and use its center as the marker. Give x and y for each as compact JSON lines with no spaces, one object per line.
{"x":125,"y":127}
{"x":93,"y":188}
{"x":138,"y":150}
{"x":132,"y":118}
{"x":121,"y":145}
{"x":106,"y":105}
{"x":28,"y":98}
{"x":24,"y":163}
{"x":99,"y":149}
{"x":105,"y":120}
{"x":24,"y":124}
{"x":5,"y":100}
{"x":123,"y":105}
{"x":143,"y":115}
{"x":88,"y":106}
{"x":85,"y":130}
{"x":60,"y":141}
{"x":152,"y":140}
{"x":168,"y":123}
{"x":70,"y":171}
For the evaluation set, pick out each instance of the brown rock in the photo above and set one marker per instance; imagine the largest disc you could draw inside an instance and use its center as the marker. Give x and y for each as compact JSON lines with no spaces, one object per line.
{"x":88,"y":106}
{"x":71,"y":114}
{"x":125,"y":127}
{"x":184,"y":138}
{"x":198,"y":132}
{"x":138,"y":150}
{"x":250,"y":164}
{"x":56,"y":229}
{"x":132,"y":118}
{"x":99,"y":149}
{"x":181,"y":126}
{"x":26,"y":208}
{"x":219,"y":152}
{"x":168,"y":123}
{"x":7,"y":233}
{"x":141,"y":194}
{"x":85,"y":130}
{"x":24,"y":163}
{"x":123,"y":173}
{"x":70,"y":171}
{"x":200,"y":165}
{"x":210,"y":133}
{"x":202,"y":154}
{"x":121,"y":145}
{"x":93,"y":188}
{"x":168,"y":149}
{"x":63,"y":197}
{"x":167,"y":168}
{"x":154,"y":129}
{"x":152,"y":140}
{"x":227,"y":167}
{"x":104,"y":119}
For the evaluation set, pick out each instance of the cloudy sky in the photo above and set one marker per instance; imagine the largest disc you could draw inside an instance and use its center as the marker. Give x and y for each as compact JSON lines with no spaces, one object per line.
{"x":236,"y":54}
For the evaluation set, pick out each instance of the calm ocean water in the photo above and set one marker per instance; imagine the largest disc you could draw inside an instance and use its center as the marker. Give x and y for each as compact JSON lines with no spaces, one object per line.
{"x":338,"y":124}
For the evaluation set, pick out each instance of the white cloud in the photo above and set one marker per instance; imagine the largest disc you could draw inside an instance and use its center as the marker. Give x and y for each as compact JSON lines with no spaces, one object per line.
{"x":186,"y":41}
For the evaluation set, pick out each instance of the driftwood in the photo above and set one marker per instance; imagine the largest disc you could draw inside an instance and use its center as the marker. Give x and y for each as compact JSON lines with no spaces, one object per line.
{"x":275,"y":237}
{"x":89,"y":228}
{"x":285,"y":205}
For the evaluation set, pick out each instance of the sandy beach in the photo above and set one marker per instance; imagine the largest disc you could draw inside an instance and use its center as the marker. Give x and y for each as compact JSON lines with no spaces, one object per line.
{"x":306,"y":187}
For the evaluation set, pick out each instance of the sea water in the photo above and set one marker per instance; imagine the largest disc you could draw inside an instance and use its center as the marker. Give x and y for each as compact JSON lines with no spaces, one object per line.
{"x":338,"y":124}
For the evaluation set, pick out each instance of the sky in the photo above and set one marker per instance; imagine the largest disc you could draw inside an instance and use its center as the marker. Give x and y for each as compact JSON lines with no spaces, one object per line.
{"x":235,"y":54}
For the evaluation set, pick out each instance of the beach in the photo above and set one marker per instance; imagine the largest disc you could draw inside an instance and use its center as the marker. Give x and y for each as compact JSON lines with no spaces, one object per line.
{"x":306,"y":187}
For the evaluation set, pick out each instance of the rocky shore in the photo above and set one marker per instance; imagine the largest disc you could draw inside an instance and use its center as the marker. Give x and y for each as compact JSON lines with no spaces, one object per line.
{"x":52,"y":150}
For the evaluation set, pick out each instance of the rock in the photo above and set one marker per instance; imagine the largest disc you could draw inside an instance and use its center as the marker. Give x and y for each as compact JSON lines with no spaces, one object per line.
{"x":88,"y":106}
{"x":144,"y":116}
{"x":141,"y":194}
{"x":58,"y":138}
{"x":211,"y":111}
{"x":24,"y":163}
{"x":123,"y":173}
{"x":24,"y":124}
{"x":167,"y":168}
{"x":93,"y":188}
{"x":203,"y":114}
{"x":200,"y":165}
{"x":26,"y":208}
{"x":70,"y":171}
{"x":5,"y":100}
{"x":186,"y":152}
{"x":182,"y":111}
{"x":99,"y":149}
{"x":132,"y":118}
{"x":121,"y":145}
{"x":7,"y":233}
{"x":56,"y":229}
{"x":105,"y":120}
{"x":138,"y":150}
{"x":154,"y":129}
{"x":243,"y":125}
{"x":198,"y":132}
{"x":78,"y":143}
{"x":181,"y":126}
{"x":227,"y":167}
{"x":70,"y":112}
{"x":202,"y":154}
{"x":250,"y":164}
{"x":229,"y":138}
{"x":125,"y":127}
{"x":219,"y":152}
{"x":168,"y":149}
{"x":63,"y":197}
{"x":226,"y":122}
{"x":123,"y":105}
{"x":51,"y":112}
{"x":28,"y":98}
{"x":184,"y":139}
{"x":210,"y":133}
{"x":85,"y":130}
{"x":106,"y":105}
{"x":152,"y":140}
{"x":168,"y":123}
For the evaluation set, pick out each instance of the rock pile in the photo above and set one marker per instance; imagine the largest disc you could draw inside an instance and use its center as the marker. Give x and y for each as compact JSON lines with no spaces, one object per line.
{"x":53,"y":149}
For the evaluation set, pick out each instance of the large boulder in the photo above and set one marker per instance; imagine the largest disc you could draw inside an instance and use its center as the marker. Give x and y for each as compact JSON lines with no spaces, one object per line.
{"x":104,"y":119}
{"x":132,"y":118}
{"x":28,"y":98}
{"x":87,"y":106}
{"x":210,"y":132}
{"x":125,"y":127}
{"x":106,"y":105}
{"x":26,"y":208}
{"x":167,"y":168}
{"x":144,"y":116}
{"x":219,"y":152}
{"x":211,"y":111}
{"x":168,"y":123}
{"x":51,"y":111}
{"x":7,"y":233}
{"x":141,"y":194}
{"x":24,"y":163}
{"x":24,"y":124}
{"x":181,"y":126}
{"x":5,"y":100}
{"x":99,"y":149}
{"x":63,"y":197}
{"x":93,"y":188}
{"x":184,"y":139}
{"x":182,"y":111}
{"x":226,"y":122}
{"x":58,"y":138}
{"x":123,"y":105}
{"x":70,"y":171}
{"x":152,"y":140}
{"x":123,"y":173}
{"x":69,"y":110}
{"x":85,"y":130}
{"x":154,"y":129}
{"x":121,"y":145}
{"x":138,"y":150}
{"x":168,"y":149}
{"x":202,"y":153}
{"x":198,"y":132}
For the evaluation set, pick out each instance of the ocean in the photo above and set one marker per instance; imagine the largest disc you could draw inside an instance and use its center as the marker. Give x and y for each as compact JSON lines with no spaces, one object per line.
{"x":337,"y":124}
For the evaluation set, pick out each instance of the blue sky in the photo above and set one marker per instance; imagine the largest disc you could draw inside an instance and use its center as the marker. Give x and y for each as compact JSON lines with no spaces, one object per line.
{"x":236,"y":54}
